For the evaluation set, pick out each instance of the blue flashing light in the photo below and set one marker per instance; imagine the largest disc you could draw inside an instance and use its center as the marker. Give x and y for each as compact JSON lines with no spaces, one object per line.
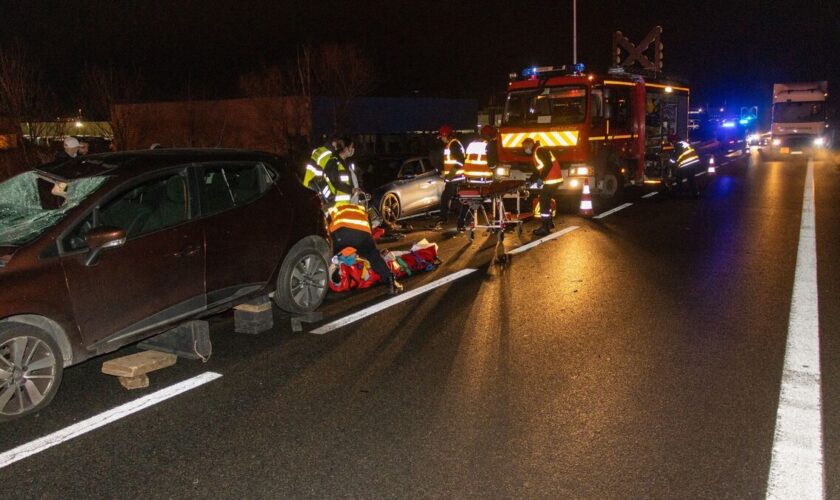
{"x":728,"y":124}
{"x":579,"y":67}
{"x":743,"y":121}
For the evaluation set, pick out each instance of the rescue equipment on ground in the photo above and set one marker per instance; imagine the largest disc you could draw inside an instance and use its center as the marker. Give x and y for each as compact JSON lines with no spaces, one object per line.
{"x":348,"y":271}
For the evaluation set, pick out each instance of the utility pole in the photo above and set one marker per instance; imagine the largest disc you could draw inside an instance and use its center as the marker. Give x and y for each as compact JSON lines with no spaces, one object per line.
{"x":574,"y":31}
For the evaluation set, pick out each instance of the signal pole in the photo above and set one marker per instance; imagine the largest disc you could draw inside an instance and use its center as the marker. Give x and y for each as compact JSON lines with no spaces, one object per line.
{"x":574,"y":31}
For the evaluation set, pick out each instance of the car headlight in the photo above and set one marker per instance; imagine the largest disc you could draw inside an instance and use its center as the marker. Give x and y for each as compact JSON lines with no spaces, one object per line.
{"x":777,"y":142}
{"x":503,"y":171}
{"x":752,"y":138}
{"x":819,"y":141}
{"x":582,"y":171}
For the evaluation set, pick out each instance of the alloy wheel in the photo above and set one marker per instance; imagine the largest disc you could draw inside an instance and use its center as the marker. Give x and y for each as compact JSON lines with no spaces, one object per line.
{"x":27,"y":374}
{"x":308,"y":281}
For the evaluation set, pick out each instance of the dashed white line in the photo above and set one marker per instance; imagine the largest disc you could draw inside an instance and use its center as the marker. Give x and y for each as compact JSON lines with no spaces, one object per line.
{"x":528,"y":246}
{"x":385,"y":304}
{"x":796,"y":468}
{"x":698,"y":174}
{"x":614,"y":210}
{"x":651,"y":194}
{"x":105,"y":418}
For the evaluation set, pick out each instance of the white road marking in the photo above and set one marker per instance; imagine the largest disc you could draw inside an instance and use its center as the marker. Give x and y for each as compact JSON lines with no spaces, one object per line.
{"x":698,"y":174}
{"x":614,"y":210}
{"x":528,"y":246}
{"x":364,"y":313}
{"x":105,"y":418}
{"x":651,"y":194}
{"x":796,"y":468}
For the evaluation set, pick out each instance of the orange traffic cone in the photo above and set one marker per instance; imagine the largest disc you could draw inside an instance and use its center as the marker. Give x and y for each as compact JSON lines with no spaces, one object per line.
{"x":711,"y":169}
{"x":586,"y":199}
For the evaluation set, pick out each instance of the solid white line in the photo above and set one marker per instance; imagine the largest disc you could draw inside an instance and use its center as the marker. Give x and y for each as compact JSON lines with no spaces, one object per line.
{"x":105,"y":418}
{"x":651,"y":195}
{"x":796,"y":469}
{"x":364,"y":313}
{"x":614,"y":210}
{"x":528,"y":246}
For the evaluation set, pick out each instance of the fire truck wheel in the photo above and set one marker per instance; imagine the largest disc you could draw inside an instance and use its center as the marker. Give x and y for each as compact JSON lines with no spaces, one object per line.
{"x":613,"y":186}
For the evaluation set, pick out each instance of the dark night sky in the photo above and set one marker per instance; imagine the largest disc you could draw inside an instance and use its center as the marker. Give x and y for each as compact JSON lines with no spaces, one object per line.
{"x":730,"y":50}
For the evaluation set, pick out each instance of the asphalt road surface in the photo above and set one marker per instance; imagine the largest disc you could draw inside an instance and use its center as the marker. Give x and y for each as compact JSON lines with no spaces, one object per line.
{"x":638,"y":355}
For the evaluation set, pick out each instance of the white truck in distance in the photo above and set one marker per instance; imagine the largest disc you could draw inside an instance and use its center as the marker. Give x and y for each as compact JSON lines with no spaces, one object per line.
{"x":799,"y":117}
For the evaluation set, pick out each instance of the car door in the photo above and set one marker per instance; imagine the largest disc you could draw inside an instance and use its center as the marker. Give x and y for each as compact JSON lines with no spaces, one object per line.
{"x":246,"y":221}
{"x":432,"y":186}
{"x":156,"y":277}
{"x":411,"y":192}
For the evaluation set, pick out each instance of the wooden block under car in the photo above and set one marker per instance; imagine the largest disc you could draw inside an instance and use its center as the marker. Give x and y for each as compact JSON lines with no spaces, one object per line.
{"x":253,"y":317}
{"x":138,"y":382}
{"x":136,"y":366}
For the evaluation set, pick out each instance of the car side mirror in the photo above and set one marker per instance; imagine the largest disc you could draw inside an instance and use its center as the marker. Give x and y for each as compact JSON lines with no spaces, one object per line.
{"x":100,"y":238}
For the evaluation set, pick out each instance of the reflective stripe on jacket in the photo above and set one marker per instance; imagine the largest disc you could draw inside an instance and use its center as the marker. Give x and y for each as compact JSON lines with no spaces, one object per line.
{"x":453,"y":160}
{"x":314,"y":174}
{"x":688,"y":156}
{"x":476,"y":166}
{"x":547,"y":166}
{"x":349,"y":216}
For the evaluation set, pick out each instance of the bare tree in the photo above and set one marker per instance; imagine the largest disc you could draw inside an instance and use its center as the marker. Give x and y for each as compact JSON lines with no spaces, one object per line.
{"x":24,"y":95}
{"x":103,"y":89}
{"x":343,"y":72}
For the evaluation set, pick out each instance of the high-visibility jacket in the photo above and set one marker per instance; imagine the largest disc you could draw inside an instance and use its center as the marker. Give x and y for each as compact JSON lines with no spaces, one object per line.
{"x":339,"y":181}
{"x":548,"y":168}
{"x":476,"y":164}
{"x":453,"y":161}
{"x":349,"y":216}
{"x":686,"y":156}
{"x":313,"y":177}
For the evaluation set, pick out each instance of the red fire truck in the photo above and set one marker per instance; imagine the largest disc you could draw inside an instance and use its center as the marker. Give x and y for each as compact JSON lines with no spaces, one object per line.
{"x":608,"y":128}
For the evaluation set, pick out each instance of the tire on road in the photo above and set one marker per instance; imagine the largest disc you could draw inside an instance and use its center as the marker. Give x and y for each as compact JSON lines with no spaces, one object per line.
{"x":303,"y":280}
{"x":31,"y":368}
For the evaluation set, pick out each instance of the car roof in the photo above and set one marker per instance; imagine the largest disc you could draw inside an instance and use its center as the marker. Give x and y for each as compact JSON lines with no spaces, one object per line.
{"x":131,"y":163}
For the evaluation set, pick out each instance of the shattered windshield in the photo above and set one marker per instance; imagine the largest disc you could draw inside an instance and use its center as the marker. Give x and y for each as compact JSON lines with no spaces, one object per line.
{"x":31,"y":203}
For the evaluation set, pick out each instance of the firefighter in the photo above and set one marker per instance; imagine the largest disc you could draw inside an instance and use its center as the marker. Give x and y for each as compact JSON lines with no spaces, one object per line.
{"x":349,"y":227}
{"x":684,"y":161}
{"x":338,"y":175}
{"x":548,"y":175}
{"x":453,"y":174}
{"x":313,"y":177}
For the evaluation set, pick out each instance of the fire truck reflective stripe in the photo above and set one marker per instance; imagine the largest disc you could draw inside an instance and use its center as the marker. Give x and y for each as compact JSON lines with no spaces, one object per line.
{"x":478,"y":173}
{"x":660,"y":86}
{"x":614,"y":82}
{"x":551,"y":138}
{"x":612,"y":137}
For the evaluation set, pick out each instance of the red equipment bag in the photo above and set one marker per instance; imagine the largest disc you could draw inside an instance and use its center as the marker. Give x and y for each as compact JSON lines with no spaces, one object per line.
{"x":344,"y":277}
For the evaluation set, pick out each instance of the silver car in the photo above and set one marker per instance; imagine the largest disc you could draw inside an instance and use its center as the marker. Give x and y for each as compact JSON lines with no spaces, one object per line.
{"x":417,"y":190}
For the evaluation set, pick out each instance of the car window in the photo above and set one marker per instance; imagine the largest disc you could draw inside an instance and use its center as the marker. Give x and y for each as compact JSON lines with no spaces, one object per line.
{"x":148,"y":207}
{"x":411,"y":168}
{"x":226,"y":186}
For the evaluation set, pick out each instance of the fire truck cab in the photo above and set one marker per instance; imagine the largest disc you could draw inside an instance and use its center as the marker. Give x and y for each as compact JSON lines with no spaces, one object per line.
{"x":611,"y":129}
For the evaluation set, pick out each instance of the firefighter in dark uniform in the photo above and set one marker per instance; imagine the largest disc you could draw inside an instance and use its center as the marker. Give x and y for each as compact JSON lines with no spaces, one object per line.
{"x":548,"y":175}
{"x":453,"y":174}
{"x":349,"y":227}
{"x":684,"y":161}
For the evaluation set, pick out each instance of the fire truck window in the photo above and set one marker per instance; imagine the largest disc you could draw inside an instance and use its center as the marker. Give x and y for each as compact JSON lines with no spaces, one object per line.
{"x":619,"y":102}
{"x":597,"y":104}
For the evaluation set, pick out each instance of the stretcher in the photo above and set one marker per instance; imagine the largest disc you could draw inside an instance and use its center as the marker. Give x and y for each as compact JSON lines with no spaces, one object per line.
{"x":476,"y":198}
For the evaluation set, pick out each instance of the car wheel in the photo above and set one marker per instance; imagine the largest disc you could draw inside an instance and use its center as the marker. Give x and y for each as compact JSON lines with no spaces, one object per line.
{"x":303,"y":280}
{"x":31,"y":367}
{"x":390,"y":208}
